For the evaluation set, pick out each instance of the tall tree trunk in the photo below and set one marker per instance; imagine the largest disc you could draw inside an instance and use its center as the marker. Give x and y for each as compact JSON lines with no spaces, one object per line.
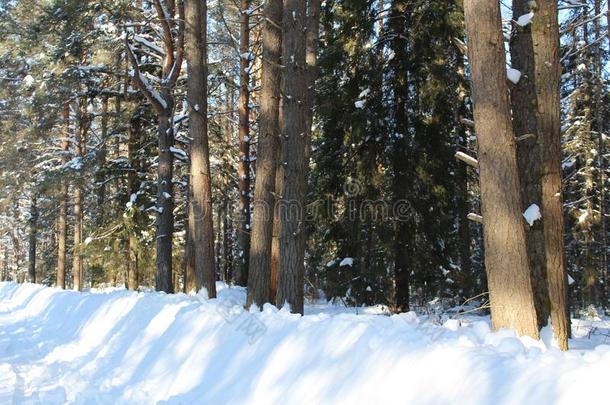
{"x":312,"y":38}
{"x":599,"y":126}
{"x":32,"y":242}
{"x":200,"y":224}
{"x":165,"y":205}
{"x":17,"y":252}
{"x":294,"y":134}
{"x":311,"y":58}
{"x":523,"y":99}
{"x":101,"y":161}
{"x":173,"y":27}
{"x":5,"y":266}
{"x":243,"y":234}
{"x":134,"y":134}
{"x":227,"y":242}
{"x":218,"y":245}
{"x":133,"y":142}
{"x":77,"y":258}
{"x":507,"y":264}
{"x":463,"y":197}
{"x":545,"y":34}
{"x":62,"y":220}
{"x":190,"y":281}
{"x":590,"y":291}
{"x":118,"y":122}
{"x":259,"y":278}
{"x":225,"y":207}
{"x":400,"y":161}
{"x":277,"y":224}
{"x":79,"y":145}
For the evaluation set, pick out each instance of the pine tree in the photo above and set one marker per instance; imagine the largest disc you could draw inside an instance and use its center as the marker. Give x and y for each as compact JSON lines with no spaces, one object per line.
{"x":259,"y":276}
{"x":171,"y":17}
{"x":524,"y":105}
{"x":200,"y":227}
{"x":243,"y":171}
{"x":293,"y":133}
{"x":508,"y":274}
{"x":545,"y":36}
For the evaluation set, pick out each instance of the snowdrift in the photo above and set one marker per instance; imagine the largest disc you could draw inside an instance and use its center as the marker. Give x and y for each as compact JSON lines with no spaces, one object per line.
{"x":119,"y":347}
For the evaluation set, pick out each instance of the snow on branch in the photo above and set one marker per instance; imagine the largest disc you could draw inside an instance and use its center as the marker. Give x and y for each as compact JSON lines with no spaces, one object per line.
{"x":475,"y":218}
{"x":525,"y":19}
{"x":143,"y":41}
{"x":469,"y":160}
{"x":532,"y":214}
{"x":513,"y":75}
{"x":140,"y":80}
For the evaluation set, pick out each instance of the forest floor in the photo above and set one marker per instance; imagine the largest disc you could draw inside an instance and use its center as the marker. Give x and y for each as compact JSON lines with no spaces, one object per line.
{"x":119,"y":347}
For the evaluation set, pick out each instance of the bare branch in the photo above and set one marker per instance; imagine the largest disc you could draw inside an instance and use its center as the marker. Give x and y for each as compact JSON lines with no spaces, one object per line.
{"x":175,"y":72}
{"x":469,"y":160}
{"x":140,"y":81}
{"x":168,"y":39}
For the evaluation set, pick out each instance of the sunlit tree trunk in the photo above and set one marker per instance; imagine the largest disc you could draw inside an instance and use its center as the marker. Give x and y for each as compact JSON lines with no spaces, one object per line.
{"x":200,"y":220}
{"x":506,"y":260}
{"x":243,"y":172}
{"x":293,"y":165}
{"x":171,"y":18}
{"x":259,"y":278}
{"x":545,"y":35}
{"x":400,"y":161}
{"x":62,"y":220}
{"x":134,"y":134}
{"x":523,"y":100}
{"x":79,"y":152}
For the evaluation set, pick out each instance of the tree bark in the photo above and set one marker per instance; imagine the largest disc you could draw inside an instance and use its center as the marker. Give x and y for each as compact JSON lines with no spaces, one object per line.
{"x":200,"y":224}
{"x":62,"y":220}
{"x":32,"y":242}
{"x":218,"y":245}
{"x":172,"y":28}
{"x":227,"y":241}
{"x":463,"y":204}
{"x":243,"y":171}
{"x":17,"y":252}
{"x":5,"y":270}
{"x":79,"y":145}
{"x":101,"y":161}
{"x":294,"y":141}
{"x":523,"y":99}
{"x":312,"y":38}
{"x":599,"y":126}
{"x":277,"y":225}
{"x":165,"y":206}
{"x":133,"y":142}
{"x":190,"y":281}
{"x":225,"y":206}
{"x":311,"y":58}
{"x":545,"y":35}
{"x":134,"y":134}
{"x":400,"y":161}
{"x":259,"y":278}
{"x":506,"y":260}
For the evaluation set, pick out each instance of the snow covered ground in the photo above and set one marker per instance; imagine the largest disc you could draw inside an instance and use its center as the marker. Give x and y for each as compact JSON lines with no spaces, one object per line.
{"x":119,"y":347}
